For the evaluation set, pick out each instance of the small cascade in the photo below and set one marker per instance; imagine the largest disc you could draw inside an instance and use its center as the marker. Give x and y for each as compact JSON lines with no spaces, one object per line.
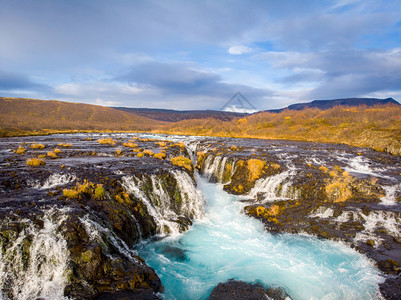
{"x":34,"y":264}
{"x":215,"y":167}
{"x":99,"y":233}
{"x":212,"y":165}
{"x":165,"y":209}
{"x":276,"y":187}
{"x":55,"y":180}
{"x":391,"y":193}
{"x":322,"y":212}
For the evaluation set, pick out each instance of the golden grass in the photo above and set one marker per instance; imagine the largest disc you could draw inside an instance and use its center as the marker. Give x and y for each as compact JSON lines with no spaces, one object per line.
{"x":106,"y":141}
{"x":34,"y":162}
{"x":255,"y":167}
{"x":51,"y":154}
{"x":65,"y":145}
{"x":130,"y":144}
{"x":338,"y":189}
{"x":160,"y":155}
{"x":148,"y":152}
{"x":182,"y":161}
{"x":20,"y":150}
{"x":37,"y":146}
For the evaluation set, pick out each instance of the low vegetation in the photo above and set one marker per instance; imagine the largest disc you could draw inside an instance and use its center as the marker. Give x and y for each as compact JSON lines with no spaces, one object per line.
{"x":37,"y":146}
{"x":20,"y":150}
{"x":160,"y":155}
{"x":35,"y":162}
{"x":51,"y":154}
{"x":65,"y":145}
{"x":130,"y":144}
{"x":87,"y":188}
{"x":255,"y":167}
{"x":182,"y":161}
{"x":108,"y":141}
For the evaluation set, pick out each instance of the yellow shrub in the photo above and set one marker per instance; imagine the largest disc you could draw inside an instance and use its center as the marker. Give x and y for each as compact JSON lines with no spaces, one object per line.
{"x":37,"y":146}
{"x":130,"y":144}
{"x":161,"y":144}
{"x":275,"y":166}
{"x":118,"y":151}
{"x":65,"y":145}
{"x":160,"y":155}
{"x":182,"y":161}
{"x":20,"y":150}
{"x":34,"y":162}
{"x":51,"y":154}
{"x":233,"y":148}
{"x":148,"y":152}
{"x":323,"y":168}
{"x":339,"y":188}
{"x":242,"y":121}
{"x":71,"y":194}
{"x":255,"y":167}
{"x":140,"y":154}
{"x":57,"y":150}
{"x":109,"y":141}
{"x":99,"y":191}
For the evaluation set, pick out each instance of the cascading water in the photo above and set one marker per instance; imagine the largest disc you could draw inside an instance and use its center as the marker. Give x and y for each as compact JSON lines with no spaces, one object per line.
{"x":226,"y":244}
{"x":274,"y":187}
{"x":160,"y":204}
{"x":39,"y":272}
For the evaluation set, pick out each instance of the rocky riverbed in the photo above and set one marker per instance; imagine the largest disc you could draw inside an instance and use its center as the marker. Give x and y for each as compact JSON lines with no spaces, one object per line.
{"x":329,"y":191}
{"x":72,"y":207}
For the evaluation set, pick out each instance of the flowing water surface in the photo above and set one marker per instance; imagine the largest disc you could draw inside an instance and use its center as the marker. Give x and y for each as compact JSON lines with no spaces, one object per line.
{"x":225,"y":244}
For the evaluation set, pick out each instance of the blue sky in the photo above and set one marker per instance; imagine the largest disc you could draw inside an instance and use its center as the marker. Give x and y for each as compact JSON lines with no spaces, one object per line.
{"x":187,"y":54}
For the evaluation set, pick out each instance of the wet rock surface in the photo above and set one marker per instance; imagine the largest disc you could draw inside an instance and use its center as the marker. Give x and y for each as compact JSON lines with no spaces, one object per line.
{"x":240,"y":290}
{"x":330,"y":191}
{"x":99,"y":200}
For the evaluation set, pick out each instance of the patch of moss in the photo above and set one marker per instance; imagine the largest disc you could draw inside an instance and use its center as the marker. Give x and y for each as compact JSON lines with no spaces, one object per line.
{"x":37,"y":146}
{"x":255,"y":167}
{"x":34,"y":162}
{"x":182,"y":161}
{"x":20,"y":150}
{"x":160,"y":155}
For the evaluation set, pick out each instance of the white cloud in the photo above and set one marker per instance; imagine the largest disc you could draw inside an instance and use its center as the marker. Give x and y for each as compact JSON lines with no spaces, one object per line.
{"x":239,"y":50}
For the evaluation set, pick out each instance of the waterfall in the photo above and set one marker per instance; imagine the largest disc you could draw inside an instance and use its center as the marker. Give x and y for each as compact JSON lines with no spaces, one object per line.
{"x":34,"y":264}
{"x":391,"y":193}
{"x":276,"y":187}
{"x":97,"y":233}
{"x":215,"y":166}
{"x":162,"y":207}
{"x":54,"y":180}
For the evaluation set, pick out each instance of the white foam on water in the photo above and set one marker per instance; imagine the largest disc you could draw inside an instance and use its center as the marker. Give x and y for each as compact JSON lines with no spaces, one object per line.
{"x":55,"y":180}
{"x":160,"y":205}
{"x":44,"y":275}
{"x":391,"y":191}
{"x":274,"y":187}
{"x":322,"y":212}
{"x":226,"y":244}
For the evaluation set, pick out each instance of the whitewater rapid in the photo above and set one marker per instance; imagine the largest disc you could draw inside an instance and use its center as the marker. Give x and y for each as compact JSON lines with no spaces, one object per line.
{"x":225,"y":244}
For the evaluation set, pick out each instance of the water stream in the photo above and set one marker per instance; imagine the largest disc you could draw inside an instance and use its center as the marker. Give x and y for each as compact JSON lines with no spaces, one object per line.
{"x":226,"y":244}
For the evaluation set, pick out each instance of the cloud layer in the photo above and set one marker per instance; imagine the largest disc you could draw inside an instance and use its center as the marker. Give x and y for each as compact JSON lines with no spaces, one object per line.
{"x":196,"y":54}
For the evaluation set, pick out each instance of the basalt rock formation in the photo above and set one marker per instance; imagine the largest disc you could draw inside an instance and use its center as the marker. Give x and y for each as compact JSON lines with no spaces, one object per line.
{"x":329,"y":191}
{"x":71,"y":223}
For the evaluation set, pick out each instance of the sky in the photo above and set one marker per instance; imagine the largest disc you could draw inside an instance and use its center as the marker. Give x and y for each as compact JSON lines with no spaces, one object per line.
{"x":196,"y":54}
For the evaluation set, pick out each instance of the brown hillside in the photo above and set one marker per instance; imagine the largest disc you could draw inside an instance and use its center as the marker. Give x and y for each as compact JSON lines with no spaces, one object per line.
{"x":377,"y":127}
{"x":19,"y":115}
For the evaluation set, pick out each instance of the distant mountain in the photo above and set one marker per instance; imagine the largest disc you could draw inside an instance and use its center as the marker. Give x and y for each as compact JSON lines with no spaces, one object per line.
{"x":20,"y":114}
{"x":170,"y":115}
{"x":326,"y":104}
